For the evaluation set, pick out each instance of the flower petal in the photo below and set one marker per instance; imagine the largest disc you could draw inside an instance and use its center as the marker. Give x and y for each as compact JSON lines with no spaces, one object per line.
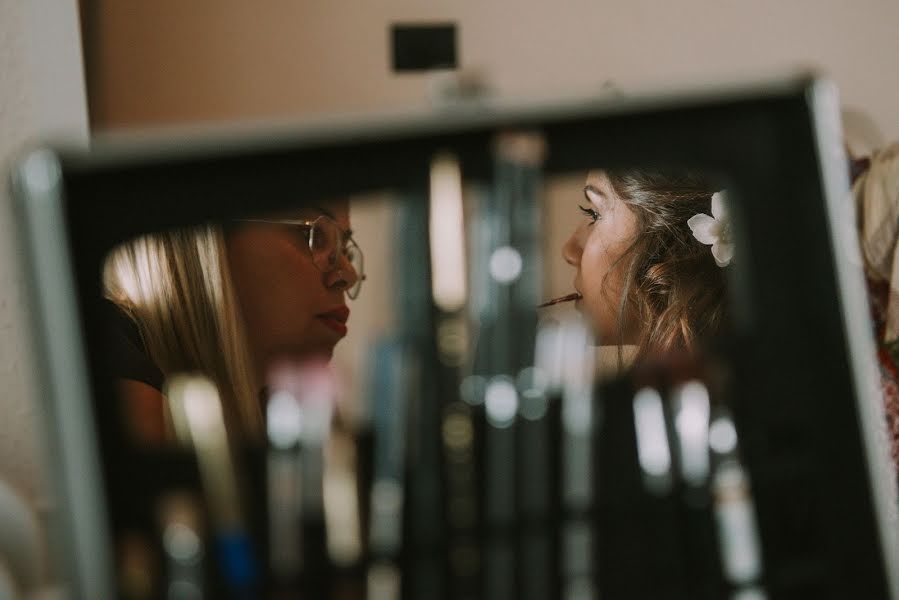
{"x":719,"y":205}
{"x":723,"y":253}
{"x":704,"y":228}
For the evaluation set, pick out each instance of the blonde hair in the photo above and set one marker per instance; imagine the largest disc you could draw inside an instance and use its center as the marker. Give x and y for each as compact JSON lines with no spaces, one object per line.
{"x":177,"y":287}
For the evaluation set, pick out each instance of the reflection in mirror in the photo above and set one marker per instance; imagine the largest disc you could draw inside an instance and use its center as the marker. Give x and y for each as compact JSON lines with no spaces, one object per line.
{"x":649,"y":252}
{"x":420,"y":401}
{"x":229,"y":301}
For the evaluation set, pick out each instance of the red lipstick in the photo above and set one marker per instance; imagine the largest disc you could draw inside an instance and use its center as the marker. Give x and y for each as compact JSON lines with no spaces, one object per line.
{"x":335,"y":319}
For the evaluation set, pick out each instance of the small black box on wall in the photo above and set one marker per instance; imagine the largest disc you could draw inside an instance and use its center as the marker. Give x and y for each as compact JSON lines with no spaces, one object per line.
{"x":423,"y":47}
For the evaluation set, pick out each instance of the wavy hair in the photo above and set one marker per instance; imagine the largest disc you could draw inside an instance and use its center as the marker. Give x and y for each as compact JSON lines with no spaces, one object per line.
{"x":673,"y":289}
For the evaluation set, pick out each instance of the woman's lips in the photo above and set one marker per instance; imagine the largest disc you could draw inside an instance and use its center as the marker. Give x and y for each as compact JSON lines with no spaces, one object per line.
{"x":334,"y":325}
{"x":336,"y":319}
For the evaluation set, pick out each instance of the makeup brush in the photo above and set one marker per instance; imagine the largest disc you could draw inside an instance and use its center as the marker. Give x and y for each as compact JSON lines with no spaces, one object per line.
{"x":559,"y":300}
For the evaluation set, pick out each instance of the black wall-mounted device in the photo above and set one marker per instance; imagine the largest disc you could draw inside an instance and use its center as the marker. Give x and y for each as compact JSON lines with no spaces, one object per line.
{"x":423,"y":47}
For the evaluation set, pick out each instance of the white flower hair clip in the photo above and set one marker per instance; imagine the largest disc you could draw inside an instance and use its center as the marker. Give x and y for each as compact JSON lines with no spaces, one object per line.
{"x":715,"y":230}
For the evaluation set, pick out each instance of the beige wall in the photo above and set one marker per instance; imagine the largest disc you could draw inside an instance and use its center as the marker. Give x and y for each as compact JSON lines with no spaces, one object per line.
{"x":172,"y":61}
{"x":42,"y":96}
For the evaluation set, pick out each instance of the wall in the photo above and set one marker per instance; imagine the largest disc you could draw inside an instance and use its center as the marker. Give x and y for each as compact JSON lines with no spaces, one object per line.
{"x":42,"y":96}
{"x":171,"y":61}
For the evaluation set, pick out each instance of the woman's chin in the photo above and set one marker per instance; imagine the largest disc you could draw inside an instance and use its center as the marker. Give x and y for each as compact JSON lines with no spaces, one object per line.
{"x":321,"y":353}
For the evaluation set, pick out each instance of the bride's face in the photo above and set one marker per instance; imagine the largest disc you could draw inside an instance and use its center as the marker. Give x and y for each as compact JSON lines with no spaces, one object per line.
{"x":595,"y":249}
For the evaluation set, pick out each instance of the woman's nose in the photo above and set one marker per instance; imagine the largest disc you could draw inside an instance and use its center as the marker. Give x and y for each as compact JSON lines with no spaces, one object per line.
{"x":343,"y":275}
{"x":572,"y":250}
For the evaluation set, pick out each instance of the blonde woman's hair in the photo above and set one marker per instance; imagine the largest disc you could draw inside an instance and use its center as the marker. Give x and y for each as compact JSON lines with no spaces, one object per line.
{"x":177,"y":287}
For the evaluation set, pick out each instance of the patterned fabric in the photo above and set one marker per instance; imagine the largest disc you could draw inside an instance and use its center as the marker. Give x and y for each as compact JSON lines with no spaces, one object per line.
{"x":876,"y":192}
{"x":888,"y":359}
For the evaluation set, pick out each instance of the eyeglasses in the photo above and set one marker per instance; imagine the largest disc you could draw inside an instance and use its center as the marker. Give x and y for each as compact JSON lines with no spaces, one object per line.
{"x":327,"y":241}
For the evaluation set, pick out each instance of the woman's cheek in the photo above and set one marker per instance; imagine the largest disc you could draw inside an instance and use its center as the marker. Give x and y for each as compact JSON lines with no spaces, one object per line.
{"x":594,"y":305}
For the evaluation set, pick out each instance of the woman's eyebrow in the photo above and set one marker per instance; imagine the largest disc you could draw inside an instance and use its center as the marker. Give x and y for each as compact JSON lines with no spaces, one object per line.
{"x":595,"y":190}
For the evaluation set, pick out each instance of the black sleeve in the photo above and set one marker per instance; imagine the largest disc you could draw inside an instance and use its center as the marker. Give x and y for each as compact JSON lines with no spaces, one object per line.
{"x":127,"y":355}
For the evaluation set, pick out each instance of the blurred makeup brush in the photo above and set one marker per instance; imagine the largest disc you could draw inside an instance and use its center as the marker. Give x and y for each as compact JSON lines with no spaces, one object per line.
{"x":559,"y":300}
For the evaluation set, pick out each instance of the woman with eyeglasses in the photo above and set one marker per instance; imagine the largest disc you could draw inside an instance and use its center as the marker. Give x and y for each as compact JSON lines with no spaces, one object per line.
{"x":229,"y":302}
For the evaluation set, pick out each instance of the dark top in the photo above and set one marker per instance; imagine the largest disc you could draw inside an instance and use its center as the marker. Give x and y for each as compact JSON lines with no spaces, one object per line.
{"x":128,"y":356}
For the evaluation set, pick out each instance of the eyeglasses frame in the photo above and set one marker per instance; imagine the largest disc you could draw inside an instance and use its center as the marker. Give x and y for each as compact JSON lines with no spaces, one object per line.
{"x":348,"y":241}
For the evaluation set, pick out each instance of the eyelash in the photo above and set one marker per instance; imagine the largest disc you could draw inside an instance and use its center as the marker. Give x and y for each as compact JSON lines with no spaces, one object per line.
{"x":595,"y":216}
